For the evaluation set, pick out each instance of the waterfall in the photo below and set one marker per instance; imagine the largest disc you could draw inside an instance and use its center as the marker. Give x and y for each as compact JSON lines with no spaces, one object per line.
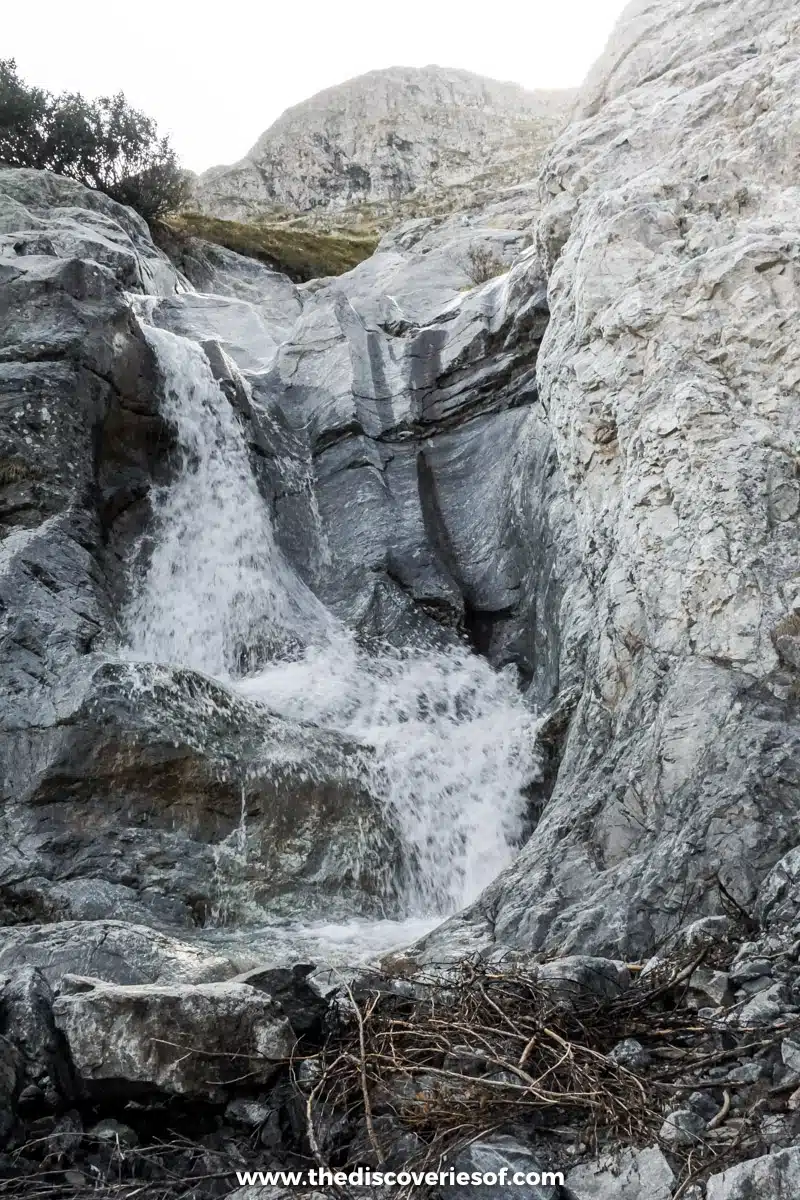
{"x":452,"y":743}
{"x":217,"y":594}
{"x":455,"y":746}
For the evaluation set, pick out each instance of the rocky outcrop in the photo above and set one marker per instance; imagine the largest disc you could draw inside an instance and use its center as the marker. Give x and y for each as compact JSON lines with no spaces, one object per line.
{"x":444,"y":137}
{"x":381,"y":415}
{"x":669,"y":375}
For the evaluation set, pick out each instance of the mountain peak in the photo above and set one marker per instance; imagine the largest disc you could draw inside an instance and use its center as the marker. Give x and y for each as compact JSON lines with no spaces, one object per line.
{"x":382,"y":137}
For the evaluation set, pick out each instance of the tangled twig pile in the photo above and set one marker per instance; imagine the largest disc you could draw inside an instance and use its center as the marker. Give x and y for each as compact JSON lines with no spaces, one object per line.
{"x":450,"y":1057}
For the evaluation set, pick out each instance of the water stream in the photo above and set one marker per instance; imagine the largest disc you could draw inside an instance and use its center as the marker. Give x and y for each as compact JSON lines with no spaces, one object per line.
{"x":452,"y":744}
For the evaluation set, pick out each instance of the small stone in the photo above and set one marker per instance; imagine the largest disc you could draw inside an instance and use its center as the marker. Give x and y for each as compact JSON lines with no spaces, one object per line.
{"x":30,"y":1096}
{"x":749,"y":1072}
{"x":493,"y":1154}
{"x":629,"y":1175}
{"x":682,"y":1128}
{"x":631,"y":1054}
{"x":766,"y":1008}
{"x":777,"y":1130}
{"x":752,"y":987}
{"x":248,"y":1112}
{"x":714,"y":984}
{"x":707,"y":931}
{"x":67,"y":1134}
{"x":790,"y":1054}
{"x":110,"y":1130}
{"x":704,"y":1104}
{"x":749,"y":968}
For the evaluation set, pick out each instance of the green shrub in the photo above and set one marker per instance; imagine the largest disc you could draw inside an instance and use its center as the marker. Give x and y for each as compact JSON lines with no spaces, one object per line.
{"x":104,"y":144}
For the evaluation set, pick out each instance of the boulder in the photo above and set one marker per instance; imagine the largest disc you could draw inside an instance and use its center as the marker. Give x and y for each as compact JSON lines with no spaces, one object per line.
{"x":580,"y":979}
{"x":113,"y":951}
{"x":778,"y":899}
{"x":41,"y":1066}
{"x":775,"y":1175}
{"x":631,"y":1054}
{"x":191,"y":1040}
{"x":629,"y":1175}
{"x":768,"y":1007}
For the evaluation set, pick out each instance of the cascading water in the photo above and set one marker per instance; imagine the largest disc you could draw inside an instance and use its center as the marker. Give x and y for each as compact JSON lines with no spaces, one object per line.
{"x":454,"y":749}
{"x":452,"y":744}
{"x":216,"y":587}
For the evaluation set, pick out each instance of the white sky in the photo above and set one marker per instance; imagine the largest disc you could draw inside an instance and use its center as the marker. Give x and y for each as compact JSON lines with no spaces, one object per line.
{"x":215,"y":75}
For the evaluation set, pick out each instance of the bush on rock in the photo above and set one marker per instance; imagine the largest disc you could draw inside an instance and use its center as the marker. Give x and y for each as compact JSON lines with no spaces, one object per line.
{"x":104,"y":144}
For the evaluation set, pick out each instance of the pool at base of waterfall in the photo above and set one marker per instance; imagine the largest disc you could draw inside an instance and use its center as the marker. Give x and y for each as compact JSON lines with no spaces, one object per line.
{"x":284,"y":944}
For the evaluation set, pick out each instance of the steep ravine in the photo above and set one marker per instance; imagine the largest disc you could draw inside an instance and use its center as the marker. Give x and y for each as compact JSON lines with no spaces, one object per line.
{"x":318,"y":602}
{"x":299,"y":514}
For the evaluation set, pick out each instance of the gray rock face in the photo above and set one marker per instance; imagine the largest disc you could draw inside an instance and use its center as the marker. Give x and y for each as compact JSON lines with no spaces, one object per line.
{"x":95,"y":755}
{"x":384,"y":415}
{"x":177,"y":1040}
{"x":669,"y":376}
{"x":385,"y":135}
{"x":115,"y":951}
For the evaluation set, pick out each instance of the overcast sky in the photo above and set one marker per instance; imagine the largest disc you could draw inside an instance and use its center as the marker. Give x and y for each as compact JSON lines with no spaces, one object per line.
{"x":215,"y":76}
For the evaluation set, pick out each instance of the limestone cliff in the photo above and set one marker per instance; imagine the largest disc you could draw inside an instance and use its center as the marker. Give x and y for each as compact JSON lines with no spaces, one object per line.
{"x":669,"y":378}
{"x":434,"y":138}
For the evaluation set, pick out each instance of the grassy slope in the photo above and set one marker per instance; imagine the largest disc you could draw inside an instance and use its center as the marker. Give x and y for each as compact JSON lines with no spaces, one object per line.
{"x":300,"y":252}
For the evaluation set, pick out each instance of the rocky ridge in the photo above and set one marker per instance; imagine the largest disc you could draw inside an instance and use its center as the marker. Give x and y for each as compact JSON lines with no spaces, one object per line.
{"x":388,"y":145}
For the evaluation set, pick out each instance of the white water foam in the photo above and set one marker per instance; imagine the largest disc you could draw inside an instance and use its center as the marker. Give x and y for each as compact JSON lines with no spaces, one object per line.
{"x":452,"y":742}
{"x":454,"y":748}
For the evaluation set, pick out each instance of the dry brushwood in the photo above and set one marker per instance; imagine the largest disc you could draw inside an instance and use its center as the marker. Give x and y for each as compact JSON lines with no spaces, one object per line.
{"x":453,"y":1056}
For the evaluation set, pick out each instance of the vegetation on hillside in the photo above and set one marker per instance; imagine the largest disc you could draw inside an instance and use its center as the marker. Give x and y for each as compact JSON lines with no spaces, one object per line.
{"x":300,"y":252}
{"x":104,"y":144}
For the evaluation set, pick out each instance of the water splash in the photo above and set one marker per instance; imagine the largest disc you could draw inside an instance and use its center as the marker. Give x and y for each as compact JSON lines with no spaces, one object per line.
{"x":454,"y":747}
